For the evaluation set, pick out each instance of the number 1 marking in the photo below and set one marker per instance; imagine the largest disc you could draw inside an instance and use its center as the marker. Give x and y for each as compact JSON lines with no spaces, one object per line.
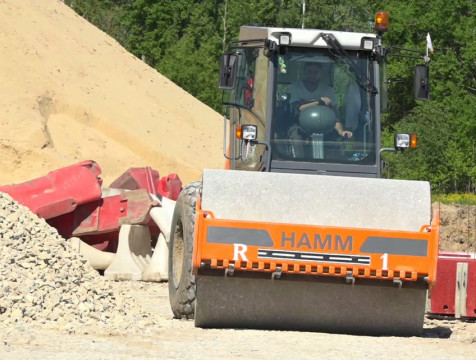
{"x":384,"y":257}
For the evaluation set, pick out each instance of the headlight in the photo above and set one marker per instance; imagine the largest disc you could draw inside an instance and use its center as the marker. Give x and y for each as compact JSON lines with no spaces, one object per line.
{"x":404,"y":141}
{"x":246,"y":132}
{"x":250,"y":132}
{"x":367,"y":43}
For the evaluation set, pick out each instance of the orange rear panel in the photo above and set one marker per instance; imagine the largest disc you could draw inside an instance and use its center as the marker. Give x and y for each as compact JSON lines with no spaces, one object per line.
{"x":316,"y":250}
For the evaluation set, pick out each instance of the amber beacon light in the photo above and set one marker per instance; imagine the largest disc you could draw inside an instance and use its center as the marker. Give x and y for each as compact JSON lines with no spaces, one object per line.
{"x":238,"y":132}
{"x":381,"y":21}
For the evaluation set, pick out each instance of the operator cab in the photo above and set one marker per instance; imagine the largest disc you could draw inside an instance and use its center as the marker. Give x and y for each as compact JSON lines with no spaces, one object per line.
{"x":308,"y":134}
{"x":278,"y":120}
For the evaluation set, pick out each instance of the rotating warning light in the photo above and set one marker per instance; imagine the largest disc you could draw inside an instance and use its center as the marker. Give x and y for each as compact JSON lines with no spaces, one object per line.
{"x":381,"y":21}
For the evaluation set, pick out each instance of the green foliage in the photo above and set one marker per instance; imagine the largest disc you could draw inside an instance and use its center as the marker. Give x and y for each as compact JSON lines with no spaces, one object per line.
{"x":105,"y":14}
{"x":455,"y":198}
{"x":445,"y":125}
{"x":444,"y":155}
{"x":192,"y":62}
{"x":154,"y":26}
{"x":183,"y":39}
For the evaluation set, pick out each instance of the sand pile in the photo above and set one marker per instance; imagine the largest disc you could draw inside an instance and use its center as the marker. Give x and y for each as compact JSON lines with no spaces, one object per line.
{"x":71,"y":93}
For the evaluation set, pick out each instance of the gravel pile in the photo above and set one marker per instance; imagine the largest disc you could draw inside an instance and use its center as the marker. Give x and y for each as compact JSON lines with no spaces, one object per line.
{"x":43,"y":280}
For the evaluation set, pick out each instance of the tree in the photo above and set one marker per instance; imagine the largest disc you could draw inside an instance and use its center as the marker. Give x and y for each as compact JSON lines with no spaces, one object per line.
{"x":192,"y":62}
{"x":183,"y":39}
{"x":105,"y":14}
{"x":446,"y":124}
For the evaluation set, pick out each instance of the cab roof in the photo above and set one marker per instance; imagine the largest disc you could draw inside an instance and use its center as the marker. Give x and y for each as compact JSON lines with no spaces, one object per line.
{"x":304,"y":37}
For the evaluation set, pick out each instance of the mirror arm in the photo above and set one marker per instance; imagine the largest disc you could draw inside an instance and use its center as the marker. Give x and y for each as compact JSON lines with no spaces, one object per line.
{"x":422,"y":55}
{"x":405,"y":56}
{"x":387,"y":149}
{"x":392,"y":80}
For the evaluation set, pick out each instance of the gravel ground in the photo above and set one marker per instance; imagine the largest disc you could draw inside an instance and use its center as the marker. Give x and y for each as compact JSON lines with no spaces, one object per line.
{"x":167,"y":338}
{"x":53,"y":306}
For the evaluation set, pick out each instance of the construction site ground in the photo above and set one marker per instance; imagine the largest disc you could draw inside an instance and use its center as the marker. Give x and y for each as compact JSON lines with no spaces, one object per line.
{"x":71,"y":93}
{"x":176,"y":339}
{"x":82,"y":315}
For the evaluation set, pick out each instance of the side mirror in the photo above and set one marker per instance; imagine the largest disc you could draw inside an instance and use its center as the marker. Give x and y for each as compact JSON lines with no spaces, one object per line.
{"x":421,"y":82}
{"x":228,"y":70}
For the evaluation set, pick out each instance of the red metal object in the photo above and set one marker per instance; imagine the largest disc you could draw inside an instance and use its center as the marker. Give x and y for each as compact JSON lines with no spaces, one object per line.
{"x":444,"y":294}
{"x":149,"y":179}
{"x":104,"y":242}
{"x":471,"y":291}
{"x":59,"y":192}
{"x":105,"y":215}
{"x":138,"y":178}
{"x":72,"y":201}
{"x":170,"y":186}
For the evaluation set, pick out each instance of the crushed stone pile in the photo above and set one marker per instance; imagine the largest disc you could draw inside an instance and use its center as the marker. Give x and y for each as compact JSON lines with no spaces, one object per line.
{"x":43,"y":280}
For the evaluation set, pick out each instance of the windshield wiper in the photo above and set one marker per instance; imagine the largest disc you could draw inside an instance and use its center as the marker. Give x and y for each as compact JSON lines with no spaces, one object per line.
{"x":342,"y":56}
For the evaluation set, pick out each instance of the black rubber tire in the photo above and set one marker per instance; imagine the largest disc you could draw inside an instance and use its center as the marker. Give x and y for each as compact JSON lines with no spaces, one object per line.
{"x":182,"y":287}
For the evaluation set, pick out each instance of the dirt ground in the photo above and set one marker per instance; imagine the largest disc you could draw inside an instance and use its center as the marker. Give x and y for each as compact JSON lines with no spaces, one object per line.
{"x":458,"y":227}
{"x":71,"y":93}
{"x":154,"y":334}
{"x":177,"y":339}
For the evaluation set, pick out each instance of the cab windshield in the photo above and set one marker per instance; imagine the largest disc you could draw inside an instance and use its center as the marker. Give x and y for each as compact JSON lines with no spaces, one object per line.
{"x":321,"y":112}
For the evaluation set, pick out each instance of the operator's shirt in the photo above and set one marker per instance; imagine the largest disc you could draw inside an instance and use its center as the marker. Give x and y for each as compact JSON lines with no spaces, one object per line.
{"x":300,"y":93}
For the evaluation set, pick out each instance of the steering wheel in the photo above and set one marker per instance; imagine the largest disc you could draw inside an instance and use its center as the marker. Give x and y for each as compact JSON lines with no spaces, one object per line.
{"x":319,"y":102}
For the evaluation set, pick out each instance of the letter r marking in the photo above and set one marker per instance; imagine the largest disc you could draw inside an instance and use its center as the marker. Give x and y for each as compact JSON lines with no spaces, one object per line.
{"x":240,"y":251}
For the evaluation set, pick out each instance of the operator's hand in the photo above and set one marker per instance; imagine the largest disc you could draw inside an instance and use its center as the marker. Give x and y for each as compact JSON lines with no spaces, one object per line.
{"x":326,"y":100}
{"x":340,"y":130}
{"x":346,"y":134}
{"x":308,"y":103}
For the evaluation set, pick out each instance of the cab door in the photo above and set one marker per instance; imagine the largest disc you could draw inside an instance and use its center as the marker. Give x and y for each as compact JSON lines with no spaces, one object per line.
{"x":246,"y":104}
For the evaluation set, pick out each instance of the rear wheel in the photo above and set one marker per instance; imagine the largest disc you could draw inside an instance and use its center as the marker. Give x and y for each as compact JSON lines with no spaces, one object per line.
{"x":182,"y":286}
